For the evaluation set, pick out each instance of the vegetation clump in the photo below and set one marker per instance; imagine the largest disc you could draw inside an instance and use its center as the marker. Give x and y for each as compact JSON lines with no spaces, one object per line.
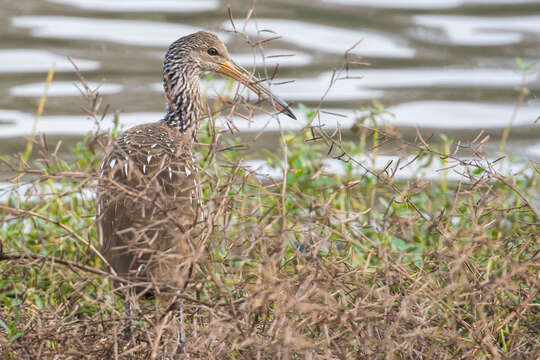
{"x":354,"y":263}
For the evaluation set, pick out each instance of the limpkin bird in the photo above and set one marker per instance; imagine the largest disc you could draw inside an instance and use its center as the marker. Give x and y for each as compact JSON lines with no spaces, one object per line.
{"x":149,"y":197}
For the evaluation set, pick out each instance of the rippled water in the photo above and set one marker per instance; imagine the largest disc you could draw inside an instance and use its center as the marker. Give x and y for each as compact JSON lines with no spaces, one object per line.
{"x":442,"y":65}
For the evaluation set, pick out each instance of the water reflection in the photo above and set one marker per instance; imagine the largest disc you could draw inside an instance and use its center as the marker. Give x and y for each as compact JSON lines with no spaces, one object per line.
{"x":62,"y":88}
{"x":365,"y":84}
{"x":354,"y":87}
{"x":461,"y":115}
{"x":143,"y":5}
{"x":473,"y":30}
{"x":441,"y":77}
{"x":133,"y":32}
{"x":399,"y":4}
{"x":20,"y":124}
{"x":534,"y":151}
{"x":327,"y":38}
{"x":32,"y":61}
{"x":309,"y":90}
{"x":426,"y":4}
{"x":283,"y":58}
{"x":443,"y":115}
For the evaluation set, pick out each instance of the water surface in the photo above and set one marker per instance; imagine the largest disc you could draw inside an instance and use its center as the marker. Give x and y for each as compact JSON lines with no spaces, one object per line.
{"x":444,"y":66}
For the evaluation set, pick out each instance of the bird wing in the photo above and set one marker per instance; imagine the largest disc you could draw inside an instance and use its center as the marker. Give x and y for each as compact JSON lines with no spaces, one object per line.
{"x":148,"y":196}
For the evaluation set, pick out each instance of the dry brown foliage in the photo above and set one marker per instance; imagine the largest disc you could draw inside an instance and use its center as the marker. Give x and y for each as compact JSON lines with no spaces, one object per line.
{"x":310,"y":266}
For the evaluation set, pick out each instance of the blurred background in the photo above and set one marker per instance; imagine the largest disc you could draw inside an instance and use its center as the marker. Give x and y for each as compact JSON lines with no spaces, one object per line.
{"x":446,"y":66}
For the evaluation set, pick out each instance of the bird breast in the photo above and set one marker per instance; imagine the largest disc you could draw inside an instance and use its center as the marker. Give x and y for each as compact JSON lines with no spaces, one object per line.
{"x":152,"y":160}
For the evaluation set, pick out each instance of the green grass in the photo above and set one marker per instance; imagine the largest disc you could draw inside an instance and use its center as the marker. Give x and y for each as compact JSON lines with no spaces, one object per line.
{"x":313,"y":265}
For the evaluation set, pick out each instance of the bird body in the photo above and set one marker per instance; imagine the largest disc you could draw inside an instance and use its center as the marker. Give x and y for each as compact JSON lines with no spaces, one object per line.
{"x":148,"y":203}
{"x":149,"y":197}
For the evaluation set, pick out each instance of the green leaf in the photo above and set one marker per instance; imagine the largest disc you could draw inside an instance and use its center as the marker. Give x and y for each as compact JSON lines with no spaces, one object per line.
{"x":519,"y":62}
{"x":17,"y":335}
{"x":4,"y":325}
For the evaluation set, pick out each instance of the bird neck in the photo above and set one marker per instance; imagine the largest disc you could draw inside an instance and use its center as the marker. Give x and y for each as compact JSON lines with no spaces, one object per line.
{"x":183,"y":94}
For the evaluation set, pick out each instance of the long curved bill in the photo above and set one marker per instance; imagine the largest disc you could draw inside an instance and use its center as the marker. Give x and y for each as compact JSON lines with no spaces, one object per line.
{"x":241,"y":75}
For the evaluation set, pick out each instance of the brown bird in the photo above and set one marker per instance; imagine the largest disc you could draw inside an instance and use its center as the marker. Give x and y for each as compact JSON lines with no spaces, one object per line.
{"x":149,"y":197}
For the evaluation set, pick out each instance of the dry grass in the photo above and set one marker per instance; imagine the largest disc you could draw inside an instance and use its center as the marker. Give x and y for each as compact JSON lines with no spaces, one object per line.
{"x":310,"y":266}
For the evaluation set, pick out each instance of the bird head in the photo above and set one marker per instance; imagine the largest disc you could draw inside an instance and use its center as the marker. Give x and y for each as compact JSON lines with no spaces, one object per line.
{"x":205,"y":53}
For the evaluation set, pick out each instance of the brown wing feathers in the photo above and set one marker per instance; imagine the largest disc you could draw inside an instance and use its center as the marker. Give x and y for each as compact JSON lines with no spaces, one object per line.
{"x":146,"y":208}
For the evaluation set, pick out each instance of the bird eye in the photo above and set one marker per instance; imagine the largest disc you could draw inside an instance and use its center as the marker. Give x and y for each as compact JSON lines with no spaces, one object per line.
{"x":212,"y":52}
